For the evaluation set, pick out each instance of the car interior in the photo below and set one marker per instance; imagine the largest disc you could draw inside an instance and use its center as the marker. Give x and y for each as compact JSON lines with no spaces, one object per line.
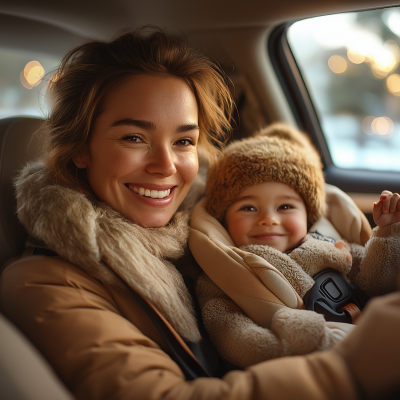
{"x":337,"y":79}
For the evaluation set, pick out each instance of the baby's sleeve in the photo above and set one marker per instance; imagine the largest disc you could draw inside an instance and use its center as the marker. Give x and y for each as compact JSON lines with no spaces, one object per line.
{"x":380,"y":264}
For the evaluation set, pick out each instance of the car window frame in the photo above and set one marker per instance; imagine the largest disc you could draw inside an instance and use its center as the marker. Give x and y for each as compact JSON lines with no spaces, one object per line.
{"x":304,"y":112}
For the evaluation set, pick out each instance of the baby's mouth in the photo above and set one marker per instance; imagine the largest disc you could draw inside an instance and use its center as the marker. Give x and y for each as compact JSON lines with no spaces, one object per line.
{"x":268,"y":234}
{"x":154,"y":194}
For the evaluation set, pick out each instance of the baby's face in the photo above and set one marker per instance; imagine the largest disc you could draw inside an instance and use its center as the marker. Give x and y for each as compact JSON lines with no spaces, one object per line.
{"x":270,"y":213}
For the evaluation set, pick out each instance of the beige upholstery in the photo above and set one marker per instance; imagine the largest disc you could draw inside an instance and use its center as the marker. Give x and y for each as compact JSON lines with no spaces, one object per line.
{"x":24,"y":374}
{"x":18,"y":145}
{"x":253,"y":283}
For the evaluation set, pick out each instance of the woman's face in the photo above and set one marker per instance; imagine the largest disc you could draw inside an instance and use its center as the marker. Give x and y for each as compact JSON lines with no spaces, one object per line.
{"x":143,"y":152}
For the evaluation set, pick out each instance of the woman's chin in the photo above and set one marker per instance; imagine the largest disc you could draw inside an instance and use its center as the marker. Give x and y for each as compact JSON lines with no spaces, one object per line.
{"x":153,"y":220}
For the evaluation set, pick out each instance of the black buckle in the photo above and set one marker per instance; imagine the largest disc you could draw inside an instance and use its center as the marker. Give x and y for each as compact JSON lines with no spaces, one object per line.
{"x":331,"y":293}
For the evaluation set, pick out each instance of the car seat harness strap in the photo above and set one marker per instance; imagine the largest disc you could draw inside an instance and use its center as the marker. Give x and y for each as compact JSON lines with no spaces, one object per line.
{"x":334,"y":297}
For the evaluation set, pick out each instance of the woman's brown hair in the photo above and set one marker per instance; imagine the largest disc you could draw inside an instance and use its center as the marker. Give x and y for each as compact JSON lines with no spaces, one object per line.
{"x":90,"y":72}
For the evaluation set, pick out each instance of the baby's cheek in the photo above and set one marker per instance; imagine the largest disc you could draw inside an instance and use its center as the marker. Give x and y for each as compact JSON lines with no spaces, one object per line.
{"x":298,"y":228}
{"x":238,"y":229}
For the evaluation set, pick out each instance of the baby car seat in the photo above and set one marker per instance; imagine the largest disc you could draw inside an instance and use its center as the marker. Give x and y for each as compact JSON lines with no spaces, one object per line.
{"x":249,"y":280}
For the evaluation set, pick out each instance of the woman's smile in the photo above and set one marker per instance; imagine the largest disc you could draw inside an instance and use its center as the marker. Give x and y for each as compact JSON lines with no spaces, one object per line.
{"x":153,"y":197}
{"x":153,"y":193}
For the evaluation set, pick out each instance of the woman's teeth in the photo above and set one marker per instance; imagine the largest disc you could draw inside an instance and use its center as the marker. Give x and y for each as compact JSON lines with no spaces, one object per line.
{"x":154,"y":194}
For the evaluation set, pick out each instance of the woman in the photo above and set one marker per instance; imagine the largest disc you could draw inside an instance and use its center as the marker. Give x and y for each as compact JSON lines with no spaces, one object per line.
{"x":128,"y":119}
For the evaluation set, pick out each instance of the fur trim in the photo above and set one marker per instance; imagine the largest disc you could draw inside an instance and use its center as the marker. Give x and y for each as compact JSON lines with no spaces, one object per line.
{"x":103,"y":243}
{"x":278,"y":153}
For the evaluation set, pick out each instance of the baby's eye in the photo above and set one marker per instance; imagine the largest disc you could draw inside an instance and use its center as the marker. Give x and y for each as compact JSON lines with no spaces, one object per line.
{"x":133,"y":139}
{"x":285,"y":207}
{"x":248,"y":208}
{"x":185,"y":142}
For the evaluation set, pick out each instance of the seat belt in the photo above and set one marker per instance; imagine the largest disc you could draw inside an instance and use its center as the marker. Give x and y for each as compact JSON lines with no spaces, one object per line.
{"x":190,"y":367}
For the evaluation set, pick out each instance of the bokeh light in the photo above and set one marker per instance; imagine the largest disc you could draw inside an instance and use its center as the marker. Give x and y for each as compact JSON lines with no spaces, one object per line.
{"x":384,"y":61}
{"x":355,"y":57}
{"x":382,"y":126}
{"x":35,"y":75}
{"x":32,"y":74}
{"x":393,"y":84}
{"x":337,"y":64}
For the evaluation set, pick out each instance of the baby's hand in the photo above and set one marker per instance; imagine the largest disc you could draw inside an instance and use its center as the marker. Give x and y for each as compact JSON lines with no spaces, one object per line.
{"x":387,"y":210}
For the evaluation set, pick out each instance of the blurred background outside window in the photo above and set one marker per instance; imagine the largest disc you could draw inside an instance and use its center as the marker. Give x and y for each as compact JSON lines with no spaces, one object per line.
{"x":350,"y":65}
{"x":23,"y":83}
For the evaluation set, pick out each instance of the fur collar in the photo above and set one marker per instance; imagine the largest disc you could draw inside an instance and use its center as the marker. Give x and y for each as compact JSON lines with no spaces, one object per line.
{"x":91,"y":236}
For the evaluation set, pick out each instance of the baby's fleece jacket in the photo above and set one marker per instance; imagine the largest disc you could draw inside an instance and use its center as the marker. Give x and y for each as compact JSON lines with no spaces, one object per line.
{"x":373,"y":267}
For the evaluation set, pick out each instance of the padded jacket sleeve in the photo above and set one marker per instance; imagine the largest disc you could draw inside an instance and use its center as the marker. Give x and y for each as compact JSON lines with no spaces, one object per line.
{"x":79,"y":327}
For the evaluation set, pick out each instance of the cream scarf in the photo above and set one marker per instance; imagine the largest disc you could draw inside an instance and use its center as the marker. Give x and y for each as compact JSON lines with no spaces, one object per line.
{"x":86,"y":235}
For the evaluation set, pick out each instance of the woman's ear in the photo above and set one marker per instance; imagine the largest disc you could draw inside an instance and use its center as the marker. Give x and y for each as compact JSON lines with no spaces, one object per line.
{"x":81,"y":161}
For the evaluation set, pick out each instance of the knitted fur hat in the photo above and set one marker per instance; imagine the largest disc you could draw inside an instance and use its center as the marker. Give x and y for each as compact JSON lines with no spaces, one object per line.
{"x":277,"y":153}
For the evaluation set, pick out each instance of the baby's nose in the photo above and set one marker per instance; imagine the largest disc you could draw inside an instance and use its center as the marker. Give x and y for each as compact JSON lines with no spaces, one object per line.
{"x":269,"y":218}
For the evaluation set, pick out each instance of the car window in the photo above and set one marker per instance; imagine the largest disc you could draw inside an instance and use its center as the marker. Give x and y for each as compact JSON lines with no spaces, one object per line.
{"x":350,"y":66}
{"x":23,"y":80}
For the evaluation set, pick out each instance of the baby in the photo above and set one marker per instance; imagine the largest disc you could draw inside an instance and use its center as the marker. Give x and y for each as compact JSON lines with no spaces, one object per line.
{"x":268,"y":191}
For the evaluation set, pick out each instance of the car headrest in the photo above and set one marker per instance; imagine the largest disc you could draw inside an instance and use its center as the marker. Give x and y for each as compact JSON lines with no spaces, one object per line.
{"x":18,"y":145}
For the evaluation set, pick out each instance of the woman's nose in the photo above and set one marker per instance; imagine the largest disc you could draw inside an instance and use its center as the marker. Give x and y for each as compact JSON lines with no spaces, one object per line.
{"x":269,"y":219}
{"x":162,"y":162}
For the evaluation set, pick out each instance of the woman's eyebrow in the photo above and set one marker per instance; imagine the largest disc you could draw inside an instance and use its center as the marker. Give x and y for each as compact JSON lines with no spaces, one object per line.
{"x":187,"y":128}
{"x":136,"y":122}
{"x":150,"y":126}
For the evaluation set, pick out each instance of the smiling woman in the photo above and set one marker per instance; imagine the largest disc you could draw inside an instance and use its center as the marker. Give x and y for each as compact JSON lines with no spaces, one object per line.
{"x":105,"y":76}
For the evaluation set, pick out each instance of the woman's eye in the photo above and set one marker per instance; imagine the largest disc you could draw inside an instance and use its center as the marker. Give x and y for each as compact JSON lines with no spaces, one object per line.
{"x":132,"y":139}
{"x":285,"y":207}
{"x":248,"y":208}
{"x":185,"y":142}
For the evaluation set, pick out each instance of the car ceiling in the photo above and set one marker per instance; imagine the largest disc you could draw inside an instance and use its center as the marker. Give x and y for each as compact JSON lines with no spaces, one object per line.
{"x":101,"y":18}
{"x":56,"y":25}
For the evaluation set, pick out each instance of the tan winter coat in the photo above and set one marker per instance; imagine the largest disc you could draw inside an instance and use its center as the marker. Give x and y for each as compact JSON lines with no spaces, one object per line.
{"x":251,"y":298}
{"x":80,"y":313}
